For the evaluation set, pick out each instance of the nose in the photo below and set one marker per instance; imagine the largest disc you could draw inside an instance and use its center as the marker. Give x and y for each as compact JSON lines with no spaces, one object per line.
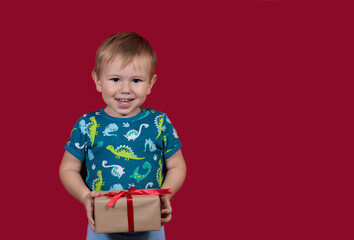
{"x":125,"y":87}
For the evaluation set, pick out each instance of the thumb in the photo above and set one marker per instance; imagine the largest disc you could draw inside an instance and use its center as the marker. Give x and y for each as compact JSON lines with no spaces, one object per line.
{"x":94,"y":194}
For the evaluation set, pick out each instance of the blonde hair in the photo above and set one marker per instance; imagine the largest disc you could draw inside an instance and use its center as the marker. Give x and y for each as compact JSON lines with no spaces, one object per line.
{"x":127,"y":45}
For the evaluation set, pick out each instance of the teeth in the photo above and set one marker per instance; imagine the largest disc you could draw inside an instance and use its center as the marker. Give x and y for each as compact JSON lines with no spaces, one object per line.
{"x":125,"y":100}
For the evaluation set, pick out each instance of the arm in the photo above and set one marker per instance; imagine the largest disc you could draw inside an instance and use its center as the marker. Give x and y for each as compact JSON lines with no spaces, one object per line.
{"x":175,"y":176}
{"x":69,"y":173}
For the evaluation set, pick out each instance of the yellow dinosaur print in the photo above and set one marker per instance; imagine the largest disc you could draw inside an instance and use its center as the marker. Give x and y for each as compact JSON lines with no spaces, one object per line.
{"x":92,"y":129}
{"x":98,"y":182}
{"x":123,"y":151}
{"x":159,"y":123}
{"x":159,"y":174}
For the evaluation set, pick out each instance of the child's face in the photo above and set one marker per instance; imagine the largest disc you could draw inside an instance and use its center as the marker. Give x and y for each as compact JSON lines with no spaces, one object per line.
{"x":124,"y":90}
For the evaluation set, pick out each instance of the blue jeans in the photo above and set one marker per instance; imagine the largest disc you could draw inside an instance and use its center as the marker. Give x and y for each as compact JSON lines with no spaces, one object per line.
{"x":151,"y":235}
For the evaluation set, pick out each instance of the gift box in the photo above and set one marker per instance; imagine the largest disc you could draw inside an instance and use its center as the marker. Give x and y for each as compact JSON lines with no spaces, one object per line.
{"x":135,"y":210}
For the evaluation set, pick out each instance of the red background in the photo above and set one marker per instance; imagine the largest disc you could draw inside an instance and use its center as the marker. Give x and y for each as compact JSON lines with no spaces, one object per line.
{"x":259,"y":93}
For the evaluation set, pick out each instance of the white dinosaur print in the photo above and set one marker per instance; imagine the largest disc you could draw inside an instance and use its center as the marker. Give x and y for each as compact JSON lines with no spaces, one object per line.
{"x":90,"y":154}
{"x":82,"y":125}
{"x":117,"y":170}
{"x":116,"y":187}
{"x":134,"y":134}
{"x":175,"y":133}
{"x":149,"y":143}
{"x":112,"y":127}
{"x":149,"y":184}
{"x":80,"y":147}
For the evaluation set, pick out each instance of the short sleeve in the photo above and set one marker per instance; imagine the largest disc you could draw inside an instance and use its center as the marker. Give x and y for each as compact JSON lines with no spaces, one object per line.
{"x":171,"y":143}
{"x":77,"y":144}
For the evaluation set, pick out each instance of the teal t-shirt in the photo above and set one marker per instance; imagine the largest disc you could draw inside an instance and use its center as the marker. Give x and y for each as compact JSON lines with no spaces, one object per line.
{"x":123,"y":152}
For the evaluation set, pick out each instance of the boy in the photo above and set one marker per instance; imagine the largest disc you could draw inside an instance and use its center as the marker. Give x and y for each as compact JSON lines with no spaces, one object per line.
{"x":123,"y":145}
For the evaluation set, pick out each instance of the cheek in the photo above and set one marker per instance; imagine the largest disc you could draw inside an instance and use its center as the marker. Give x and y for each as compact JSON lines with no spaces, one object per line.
{"x":108,"y":90}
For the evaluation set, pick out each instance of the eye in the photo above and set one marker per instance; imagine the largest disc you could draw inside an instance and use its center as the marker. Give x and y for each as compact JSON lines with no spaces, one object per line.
{"x":115,"y":79}
{"x":136,"y":80}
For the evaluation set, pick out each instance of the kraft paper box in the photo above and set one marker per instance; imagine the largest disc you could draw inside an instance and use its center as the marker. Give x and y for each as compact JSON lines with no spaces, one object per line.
{"x":146,"y":213}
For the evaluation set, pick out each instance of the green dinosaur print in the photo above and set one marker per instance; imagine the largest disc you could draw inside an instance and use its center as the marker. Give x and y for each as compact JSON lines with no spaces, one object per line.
{"x":92,"y":129}
{"x":100,"y":144}
{"x":88,"y":174}
{"x":71,"y":135}
{"x":170,"y":149}
{"x":159,"y":123}
{"x":167,"y":151}
{"x":164,"y":140}
{"x":123,"y":151}
{"x":98,"y":182}
{"x":159,"y":174}
{"x":138,"y":177}
{"x":144,"y":116}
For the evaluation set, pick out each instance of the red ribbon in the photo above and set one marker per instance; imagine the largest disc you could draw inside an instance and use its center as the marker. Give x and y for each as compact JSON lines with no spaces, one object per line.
{"x":132,"y":191}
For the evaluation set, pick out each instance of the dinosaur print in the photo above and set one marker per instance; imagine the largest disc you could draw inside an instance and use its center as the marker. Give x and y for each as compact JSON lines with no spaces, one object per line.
{"x":88,"y":174}
{"x":164,"y":140}
{"x":134,"y":134}
{"x":149,"y":185}
{"x":100,"y":144}
{"x":92,"y":129}
{"x":168,"y":120}
{"x":98,"y":182}
{"x":116,"y":187}
{"x":175,"y":133}
{"x":149,"y":143}
{"x":71,"y":135}
{"x":80,"y":147}
{"x":112,"y":127}
{"x":123,"y":151}
{"x":170,"y":149}
{"x":138,"y":177}
{"x":159,"y":123}
{"x":90,"y":154}
{"x":82,"y":126}
{"x":144,"y":116}
{"x":117,"y":170}
{"x":159,"y":174}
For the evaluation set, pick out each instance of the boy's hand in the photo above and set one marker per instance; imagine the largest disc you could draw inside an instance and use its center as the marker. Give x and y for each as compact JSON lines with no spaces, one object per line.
{"x":166,"y":209}
{"x":88,"y":203}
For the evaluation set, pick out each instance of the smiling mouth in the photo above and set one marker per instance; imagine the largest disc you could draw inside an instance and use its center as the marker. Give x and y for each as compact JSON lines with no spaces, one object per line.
{"x":124,"y":101}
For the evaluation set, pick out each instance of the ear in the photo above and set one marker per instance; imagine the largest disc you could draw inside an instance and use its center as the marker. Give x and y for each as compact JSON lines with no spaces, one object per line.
{"x":151,"y":84}
{"x":97,"y":81}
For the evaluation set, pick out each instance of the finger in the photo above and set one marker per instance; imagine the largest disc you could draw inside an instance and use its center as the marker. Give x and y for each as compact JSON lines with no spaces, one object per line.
{"x":166,"y":219}
{"x":89,"y":212}
{"x":165,"y":203}
{"x":166,"y":211}
{"x":90,"y":217}
{"x":92,"y":227}
{"x":94,"y":194}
